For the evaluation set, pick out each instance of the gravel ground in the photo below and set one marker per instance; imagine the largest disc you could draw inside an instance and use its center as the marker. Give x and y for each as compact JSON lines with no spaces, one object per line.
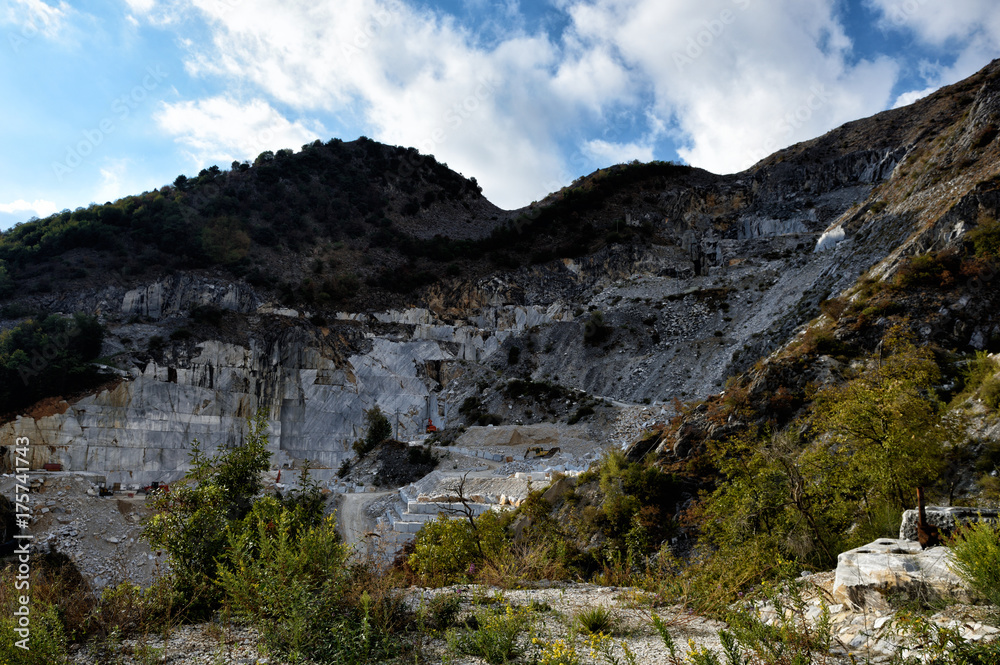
{"x":554,"y":607}
{"x":558,"y":603}
{"x":201,"y":644}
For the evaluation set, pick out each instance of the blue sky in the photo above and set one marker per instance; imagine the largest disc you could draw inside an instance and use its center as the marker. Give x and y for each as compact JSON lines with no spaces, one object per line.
{"x":105,"y":98}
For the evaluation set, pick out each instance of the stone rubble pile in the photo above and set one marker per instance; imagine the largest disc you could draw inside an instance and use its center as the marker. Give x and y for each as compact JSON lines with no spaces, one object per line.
{"x":99,"y":534}
{"x":201,"y":644}
{"x":632,"y":421}
{"x":874,"y":632}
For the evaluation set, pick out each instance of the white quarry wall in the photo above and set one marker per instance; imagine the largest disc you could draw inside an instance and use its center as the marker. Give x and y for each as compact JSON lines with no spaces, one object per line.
{"x":142,"y":429}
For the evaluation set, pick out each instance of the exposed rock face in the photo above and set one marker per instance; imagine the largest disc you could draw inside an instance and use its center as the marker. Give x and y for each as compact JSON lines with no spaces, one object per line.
{"x":945,"y":518}
{"x":900,"y":565}
{"x":315,"y":385}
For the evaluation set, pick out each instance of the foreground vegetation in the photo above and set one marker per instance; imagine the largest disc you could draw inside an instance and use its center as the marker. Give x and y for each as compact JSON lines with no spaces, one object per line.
{"x":784,"y":500}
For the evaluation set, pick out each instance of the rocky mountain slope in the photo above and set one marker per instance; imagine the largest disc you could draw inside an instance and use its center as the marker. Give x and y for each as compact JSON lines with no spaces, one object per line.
{"x":319,"y":284}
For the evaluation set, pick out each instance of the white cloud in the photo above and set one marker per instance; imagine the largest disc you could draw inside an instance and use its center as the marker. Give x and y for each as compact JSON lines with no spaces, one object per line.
{"x":416,"y":80}
{"x":908,"y":98}
{"x":141,"y":6}
{"x":971,"y":27}
{"x":38,"y":207}
{"x":113,"y":176}
{"x":741,"y":79}
{"x":939,"y":22}
{"x":606,"y":153}
{"x":731,"y":80}
{"x":36,"y":17}
{"x":222,"y":129}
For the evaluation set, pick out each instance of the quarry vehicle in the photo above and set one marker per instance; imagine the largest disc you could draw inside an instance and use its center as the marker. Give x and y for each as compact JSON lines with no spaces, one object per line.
{"x":430,"y":426}
{"x":537,"y":452}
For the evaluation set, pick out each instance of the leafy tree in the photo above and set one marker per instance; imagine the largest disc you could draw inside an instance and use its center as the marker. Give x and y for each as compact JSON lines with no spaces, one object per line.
{"x":48,"y":357}
{"x":377,"y":429}
{"x":193,"y":521}
{"x":798,"y":497}
{"x":6,"y":281}
{"x":886,"y":425}
{"x":225,"y":241}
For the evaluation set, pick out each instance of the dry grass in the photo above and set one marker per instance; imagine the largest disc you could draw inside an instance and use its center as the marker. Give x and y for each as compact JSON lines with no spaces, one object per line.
{"x":528,"y":562}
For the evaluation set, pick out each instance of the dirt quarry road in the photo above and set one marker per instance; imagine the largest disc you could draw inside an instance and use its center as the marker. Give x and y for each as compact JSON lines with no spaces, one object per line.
{"x":353,"y":523}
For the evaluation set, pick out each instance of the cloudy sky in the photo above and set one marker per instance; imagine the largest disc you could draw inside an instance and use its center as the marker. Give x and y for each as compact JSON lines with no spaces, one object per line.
{"x":104,"y":98}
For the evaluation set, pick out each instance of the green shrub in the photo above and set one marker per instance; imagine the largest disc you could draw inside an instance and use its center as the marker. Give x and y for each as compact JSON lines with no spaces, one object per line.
{"x":513,"y":355}
{"x":207,"y":314}
{"x":595,"y":620}
{"x":944,"y":645}
{"x":595,"y":330}
{"x":986,"y":238}
{"x":377,"y":429}
{"x":442,"y":611}
{"x":934,"y":270}
{"x":486,"y":419}
{"x":976,"y":558}
{"x":156,"y":344}
{"x":980,"y":368}
{"x":446,"y":549}
{"x":192,"y":521}
{"x":287,"y":577}
{"x":495,"y":637}
{"x":580,"y":413}
{"x":128,"y":609}
{"x":47,"y":641}
{"x":990,"y":393}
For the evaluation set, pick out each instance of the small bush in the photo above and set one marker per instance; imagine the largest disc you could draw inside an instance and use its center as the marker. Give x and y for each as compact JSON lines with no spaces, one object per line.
{"x":979,"y":368}
{"x":287,"y":579}
{"x":596,"y":331}
{"x":495,"y":638}
{"x":208,"y":314}
{"x":976,"y":552}
{"x":345,"y":468}
{"x":990,"y":393}
{"x":47,"y":642}
{"x":581,"y":413}
{"x":378,"y":429}
{"x":934,"y":270}
{"x":487,"y":419}
{"x":447,"y":549}
{"x":442,"y":611}
{"x":985,"y":238}
{"x":156,"y":344}
{"x":558,"y":652}
{"x":595,"y":620}
{"x":513,"y":355}
{"x":821,"y":341}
